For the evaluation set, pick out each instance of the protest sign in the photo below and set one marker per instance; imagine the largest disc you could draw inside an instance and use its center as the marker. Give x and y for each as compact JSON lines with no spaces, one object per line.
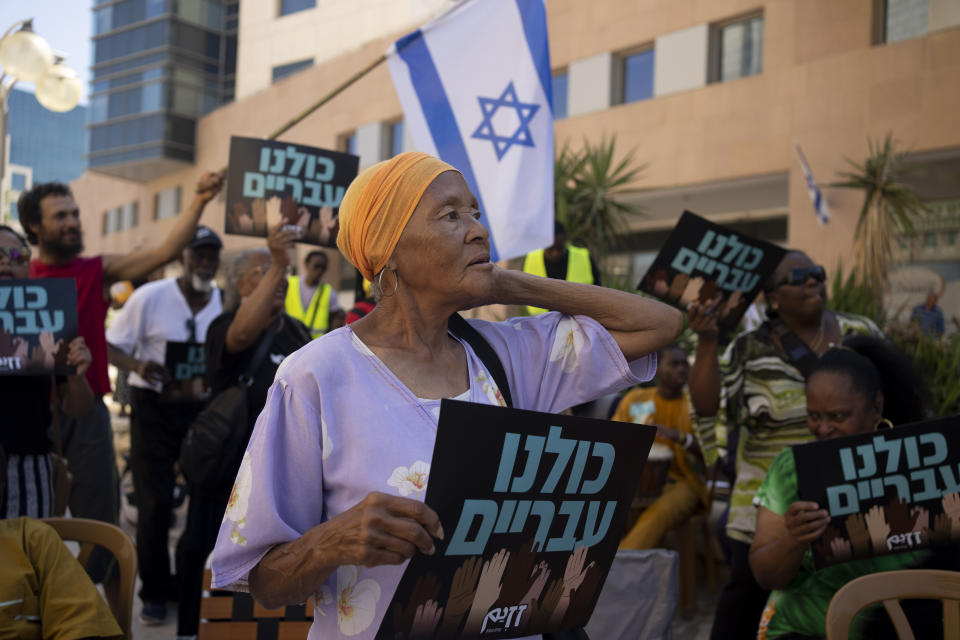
{"x":269,"y":182}
{"x":886,"y":491}
{"x":186,"y":363}
{"x":706,"y":262}
{"x":38,"y":319}
{"x":533,"y":506}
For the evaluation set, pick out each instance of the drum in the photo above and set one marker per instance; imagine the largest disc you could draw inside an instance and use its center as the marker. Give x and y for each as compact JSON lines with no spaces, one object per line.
{"x":655,"y":471}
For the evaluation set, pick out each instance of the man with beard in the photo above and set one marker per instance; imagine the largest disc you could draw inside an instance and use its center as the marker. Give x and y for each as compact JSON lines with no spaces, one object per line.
{"x":172,"y":310}
{"x":51,"y":220}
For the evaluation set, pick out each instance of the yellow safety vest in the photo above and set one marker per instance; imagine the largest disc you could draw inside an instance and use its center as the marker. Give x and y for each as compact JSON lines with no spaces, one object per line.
{"x":578,"y":268}
{"x":317,"y":315}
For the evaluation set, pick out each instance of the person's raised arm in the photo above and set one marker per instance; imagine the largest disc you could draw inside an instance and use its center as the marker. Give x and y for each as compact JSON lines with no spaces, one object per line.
{"x":256,"y":312}
{"x":640,"y":326}
{"x":781,"y":541}
{"x":705,"y":373}
{"x":381,"y":529}
{"x":138,"y":264}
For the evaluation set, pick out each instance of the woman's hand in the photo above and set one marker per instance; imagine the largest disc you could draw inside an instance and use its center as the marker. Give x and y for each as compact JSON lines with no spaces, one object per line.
{"x":380,"y":529}
{"x":280,"y":240}
{"x":806,"y":522}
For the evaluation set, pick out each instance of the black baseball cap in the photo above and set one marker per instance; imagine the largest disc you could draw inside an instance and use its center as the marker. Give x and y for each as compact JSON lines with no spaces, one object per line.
{"x":205,"y":237}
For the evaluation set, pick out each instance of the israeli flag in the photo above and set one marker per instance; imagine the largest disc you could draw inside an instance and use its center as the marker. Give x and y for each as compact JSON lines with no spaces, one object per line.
{"x":819,"y":202}
{"x":475,"y":87}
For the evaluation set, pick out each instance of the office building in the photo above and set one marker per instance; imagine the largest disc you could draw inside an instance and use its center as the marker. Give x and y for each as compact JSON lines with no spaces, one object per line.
{"x":158,"y":65}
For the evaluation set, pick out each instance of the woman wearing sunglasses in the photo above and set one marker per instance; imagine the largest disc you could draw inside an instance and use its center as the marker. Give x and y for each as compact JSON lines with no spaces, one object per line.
{"x":26,"y":405}
{"x":752,"y":396}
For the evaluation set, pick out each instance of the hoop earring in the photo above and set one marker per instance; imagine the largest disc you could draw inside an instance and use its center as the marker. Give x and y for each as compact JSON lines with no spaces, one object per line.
{"x":885,"y":424}
{"x":396,"y":283}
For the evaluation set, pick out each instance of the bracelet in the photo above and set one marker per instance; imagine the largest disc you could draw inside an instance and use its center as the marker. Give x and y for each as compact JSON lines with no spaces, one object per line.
{"x":688,"y":441}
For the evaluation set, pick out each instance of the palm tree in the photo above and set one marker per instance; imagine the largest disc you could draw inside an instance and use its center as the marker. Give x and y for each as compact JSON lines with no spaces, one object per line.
{"x":587,"y":184}
{"x":889,"y":207}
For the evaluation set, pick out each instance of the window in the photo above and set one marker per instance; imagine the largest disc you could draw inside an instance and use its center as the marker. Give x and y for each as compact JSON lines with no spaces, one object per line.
{"x":636,"y":77}
{"x":18,"y":181}
{"x":930,"y":240}
{"x":559,"y":90}
{"x":284,"y":70}
{"x":396,"y":138}
{"x":292,"y":6}
{"x":903,"y":19}
{"x":166,"y":203}
{"x":738,"y":49}
{"x":121,"y":218}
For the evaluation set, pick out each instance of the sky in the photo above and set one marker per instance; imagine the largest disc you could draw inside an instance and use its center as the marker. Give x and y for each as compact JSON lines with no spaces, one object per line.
{"x":65,"y":24}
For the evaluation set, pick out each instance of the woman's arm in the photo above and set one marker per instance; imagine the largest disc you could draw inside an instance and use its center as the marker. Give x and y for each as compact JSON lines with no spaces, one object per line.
{"x":256,"y":311}
{"x":781,"y":541}
{"x":76,"y":397}
{"x":382,"y":529}
{"x":639,"y":325}
{"x":705,"y":373}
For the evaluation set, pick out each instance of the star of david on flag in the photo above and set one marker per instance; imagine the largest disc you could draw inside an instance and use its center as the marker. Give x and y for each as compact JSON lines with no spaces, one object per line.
{"x":507,"y":100}
{"x":475,"y":86}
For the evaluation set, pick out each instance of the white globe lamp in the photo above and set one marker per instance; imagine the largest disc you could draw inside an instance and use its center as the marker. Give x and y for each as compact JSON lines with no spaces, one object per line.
{"x":25,"y":55}
{"x":59,"y":88}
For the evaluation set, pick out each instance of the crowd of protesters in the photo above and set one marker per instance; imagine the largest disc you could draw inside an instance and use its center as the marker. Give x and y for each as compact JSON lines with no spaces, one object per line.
{"x":740,"y":406}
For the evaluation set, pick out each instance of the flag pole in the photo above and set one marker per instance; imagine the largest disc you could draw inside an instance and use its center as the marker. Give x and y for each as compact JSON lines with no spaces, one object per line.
{"x":343,"y":86}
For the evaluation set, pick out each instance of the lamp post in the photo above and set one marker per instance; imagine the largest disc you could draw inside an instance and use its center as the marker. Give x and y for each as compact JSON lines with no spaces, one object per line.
{"x":26,"y":56}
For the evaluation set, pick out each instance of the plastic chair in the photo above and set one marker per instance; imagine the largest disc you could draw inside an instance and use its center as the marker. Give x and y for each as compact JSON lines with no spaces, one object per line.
{"x":90,"y":533}
{"x":889,"y":587}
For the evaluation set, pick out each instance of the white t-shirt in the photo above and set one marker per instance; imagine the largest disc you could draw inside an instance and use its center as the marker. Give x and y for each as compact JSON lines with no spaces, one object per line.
{"x":155,"y":313}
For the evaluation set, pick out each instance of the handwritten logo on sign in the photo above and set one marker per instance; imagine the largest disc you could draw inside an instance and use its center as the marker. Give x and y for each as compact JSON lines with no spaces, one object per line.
{"x":869,"y":479}
{"x":510,"y":516}
{"x":724,"y":255}
{"x":29,"y":315}
{"x":286,"y":169}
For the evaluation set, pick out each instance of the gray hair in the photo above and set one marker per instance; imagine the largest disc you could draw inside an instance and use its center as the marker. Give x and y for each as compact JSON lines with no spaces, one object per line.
{"x":238,"y":266}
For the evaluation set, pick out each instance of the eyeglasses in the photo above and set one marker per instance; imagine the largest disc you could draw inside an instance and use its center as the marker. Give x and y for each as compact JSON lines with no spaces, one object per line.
{"x":800,"y":275}
{"x":16,"y":255}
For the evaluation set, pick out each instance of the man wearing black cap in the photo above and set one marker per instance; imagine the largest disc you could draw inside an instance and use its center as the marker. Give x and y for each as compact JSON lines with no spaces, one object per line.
{"x":157,"y":315}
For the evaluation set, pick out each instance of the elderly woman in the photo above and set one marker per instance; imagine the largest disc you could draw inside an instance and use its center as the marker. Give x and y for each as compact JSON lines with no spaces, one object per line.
{"x":351,"y":419}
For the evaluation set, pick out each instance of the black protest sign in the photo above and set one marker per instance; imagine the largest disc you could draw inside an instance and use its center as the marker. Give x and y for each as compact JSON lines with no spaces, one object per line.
{"x":38,"y":320}
{"x":886,"y":491}
{"x":269,"y":182}
{"x":533,"y":506}
{"x":706,"y":262}
{"x":186,"y":364}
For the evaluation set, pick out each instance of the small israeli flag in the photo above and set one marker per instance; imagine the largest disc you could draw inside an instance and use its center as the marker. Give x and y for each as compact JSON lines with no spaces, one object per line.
{"x":475,"y":87}
{"x":819,"y":203}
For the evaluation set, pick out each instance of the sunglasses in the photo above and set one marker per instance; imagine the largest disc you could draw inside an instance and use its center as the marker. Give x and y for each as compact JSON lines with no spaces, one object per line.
{"x":16,"y":255}
{"x":800,"y":275}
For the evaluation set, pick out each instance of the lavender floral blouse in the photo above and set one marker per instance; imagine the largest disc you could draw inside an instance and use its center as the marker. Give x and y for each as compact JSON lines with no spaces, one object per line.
{"x":338,"y":425}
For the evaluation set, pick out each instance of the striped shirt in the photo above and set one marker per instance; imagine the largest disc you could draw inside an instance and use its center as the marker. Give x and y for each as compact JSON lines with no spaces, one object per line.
{"x":764,"y":396}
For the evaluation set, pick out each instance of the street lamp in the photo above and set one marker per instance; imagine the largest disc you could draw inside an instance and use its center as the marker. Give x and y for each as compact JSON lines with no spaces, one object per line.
{"x":26,"y":56}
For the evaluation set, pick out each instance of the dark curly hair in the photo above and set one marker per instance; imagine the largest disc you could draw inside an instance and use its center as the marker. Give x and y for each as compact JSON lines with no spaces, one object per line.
{"x":874,"y":365}
{"x":29,"y":204}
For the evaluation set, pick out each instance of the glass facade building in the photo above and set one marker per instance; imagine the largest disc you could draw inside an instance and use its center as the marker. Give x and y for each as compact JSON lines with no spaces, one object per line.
{"x":158,"y":65}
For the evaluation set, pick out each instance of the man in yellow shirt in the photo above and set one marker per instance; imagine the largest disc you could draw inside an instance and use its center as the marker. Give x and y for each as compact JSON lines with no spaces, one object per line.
{"x":561,"y":261}
{"x":44,"y":592}
{"x":311,"y":301}
{"x":667,"y":408}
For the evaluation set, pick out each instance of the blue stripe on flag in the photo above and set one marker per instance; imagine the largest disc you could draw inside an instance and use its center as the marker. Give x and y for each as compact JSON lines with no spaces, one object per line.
{"x":534,"y":17}
{"x":438,"y":114}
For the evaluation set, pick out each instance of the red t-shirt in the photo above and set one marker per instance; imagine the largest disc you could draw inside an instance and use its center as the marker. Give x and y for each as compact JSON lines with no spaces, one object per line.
{"x":91,"y":311}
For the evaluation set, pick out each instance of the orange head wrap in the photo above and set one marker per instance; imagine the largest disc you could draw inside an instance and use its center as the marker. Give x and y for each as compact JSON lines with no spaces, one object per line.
{"x":378,"y":204}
